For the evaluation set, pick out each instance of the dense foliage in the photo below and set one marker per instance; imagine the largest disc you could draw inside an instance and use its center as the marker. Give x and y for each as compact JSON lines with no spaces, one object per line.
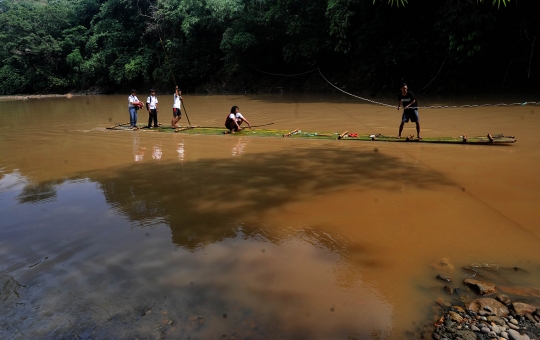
{"x":236,"y":45}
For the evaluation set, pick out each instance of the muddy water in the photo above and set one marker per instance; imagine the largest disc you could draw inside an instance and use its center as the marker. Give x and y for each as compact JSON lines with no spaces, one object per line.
{"x":121,"y":234}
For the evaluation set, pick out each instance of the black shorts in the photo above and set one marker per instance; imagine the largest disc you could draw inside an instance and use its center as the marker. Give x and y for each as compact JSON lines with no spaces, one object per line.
{"x":231,"y":126}
{"x":176,"y":112}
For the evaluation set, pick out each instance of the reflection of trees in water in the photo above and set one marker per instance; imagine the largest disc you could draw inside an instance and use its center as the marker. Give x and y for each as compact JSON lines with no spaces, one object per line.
{"x":215,"y":199}
{"x":212,"y":197}
{"x":36,"y":193}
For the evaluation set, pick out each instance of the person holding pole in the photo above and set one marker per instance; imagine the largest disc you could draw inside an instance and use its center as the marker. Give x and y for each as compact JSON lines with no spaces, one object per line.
{"x":152,"y":107}
{"x":177,"y":112}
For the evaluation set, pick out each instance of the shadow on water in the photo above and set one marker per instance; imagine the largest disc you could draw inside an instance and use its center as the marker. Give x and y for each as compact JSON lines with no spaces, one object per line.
{"x":211,"y":202}
{"x":203,"y":200}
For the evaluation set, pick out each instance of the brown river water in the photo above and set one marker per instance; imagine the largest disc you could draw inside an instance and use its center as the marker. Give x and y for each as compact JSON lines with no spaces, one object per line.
{"x":136,"y":234}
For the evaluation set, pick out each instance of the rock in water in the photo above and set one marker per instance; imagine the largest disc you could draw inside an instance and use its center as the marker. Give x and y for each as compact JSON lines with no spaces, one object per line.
{"x":488,"y":306}
{"x":444,"y":278}
{"x":482,"y":287}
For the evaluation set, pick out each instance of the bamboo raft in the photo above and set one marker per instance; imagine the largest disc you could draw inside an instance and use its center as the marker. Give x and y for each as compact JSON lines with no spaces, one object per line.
{"x":488,"y":139}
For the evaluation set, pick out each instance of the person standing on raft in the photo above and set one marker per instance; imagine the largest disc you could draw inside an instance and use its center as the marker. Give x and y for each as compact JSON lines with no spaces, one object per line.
{"x":234,"y":120}
{"x":133,"y":105}
{"x":410,"y":109}
{"x":176,"y":111}
{"x":152,"y":107}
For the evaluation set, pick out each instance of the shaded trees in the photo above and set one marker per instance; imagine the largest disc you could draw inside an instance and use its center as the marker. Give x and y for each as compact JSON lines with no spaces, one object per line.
{"x":220,"y":45}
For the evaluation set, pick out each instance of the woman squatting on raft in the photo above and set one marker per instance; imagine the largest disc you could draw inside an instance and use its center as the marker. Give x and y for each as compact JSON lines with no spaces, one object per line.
{"x":234,"y":120}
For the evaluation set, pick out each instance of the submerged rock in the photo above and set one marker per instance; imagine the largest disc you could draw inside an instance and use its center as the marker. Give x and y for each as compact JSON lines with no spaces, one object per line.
{"x":482,"y":287}
{"x":521,"y":291}
{"x":444,"y":278}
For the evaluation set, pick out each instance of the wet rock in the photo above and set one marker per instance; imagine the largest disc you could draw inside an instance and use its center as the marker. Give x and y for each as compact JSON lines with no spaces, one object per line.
{"x":512,"y":326}
{"x":530,"y":318}
{"x":448,"y":289}
{"x":466,"y":335}
{"x":496,"y":320}
{"x":488,"y":305}
{"x":458,"y":309}
{"x":481,"y":287}
{"x":444,"y":278}
{"x":504,"y":299}
{"x":523,"y":308}
{"x":514,"y":335}
{"x":474,"y":328}
{"x":485,"y":330}
{"x":442,"y":303}
{"x":455,"y":317}
{"x":491,"y":270}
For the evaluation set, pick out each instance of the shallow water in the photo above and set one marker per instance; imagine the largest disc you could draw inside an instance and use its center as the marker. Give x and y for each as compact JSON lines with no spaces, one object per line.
{"x":124,"y":234}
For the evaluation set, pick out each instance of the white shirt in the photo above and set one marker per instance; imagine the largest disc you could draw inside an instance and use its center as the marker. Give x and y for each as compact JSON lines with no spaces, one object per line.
{"x":152,"y":101}
{"x":132,"y":99}
{"x":176,"y":104}
{"x":236,"y":117}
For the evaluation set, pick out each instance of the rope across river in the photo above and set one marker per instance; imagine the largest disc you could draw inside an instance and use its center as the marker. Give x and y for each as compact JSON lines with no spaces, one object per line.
{"x":393,"y":106}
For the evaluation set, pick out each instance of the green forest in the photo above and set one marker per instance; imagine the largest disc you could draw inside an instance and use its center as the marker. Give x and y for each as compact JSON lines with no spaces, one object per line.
{"x":248,"y":46}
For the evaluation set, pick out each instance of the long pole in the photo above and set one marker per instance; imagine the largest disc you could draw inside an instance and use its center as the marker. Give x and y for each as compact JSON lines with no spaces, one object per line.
{"x":172,"y":74}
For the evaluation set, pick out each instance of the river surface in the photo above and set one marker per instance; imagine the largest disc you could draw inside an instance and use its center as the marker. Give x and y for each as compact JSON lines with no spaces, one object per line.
{"x":136,"y":234}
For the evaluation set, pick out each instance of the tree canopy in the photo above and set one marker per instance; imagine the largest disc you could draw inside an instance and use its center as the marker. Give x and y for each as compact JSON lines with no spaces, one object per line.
{"x":236,"y":45}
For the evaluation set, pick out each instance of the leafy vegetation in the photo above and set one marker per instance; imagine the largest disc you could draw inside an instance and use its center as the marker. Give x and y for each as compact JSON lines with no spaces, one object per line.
{"x":234,"y":45}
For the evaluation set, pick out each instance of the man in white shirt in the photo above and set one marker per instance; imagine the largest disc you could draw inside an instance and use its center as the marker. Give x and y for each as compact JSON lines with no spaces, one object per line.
{"x":133,"y":105}
{"x":152,"y":107}
{"x":177,"y":112}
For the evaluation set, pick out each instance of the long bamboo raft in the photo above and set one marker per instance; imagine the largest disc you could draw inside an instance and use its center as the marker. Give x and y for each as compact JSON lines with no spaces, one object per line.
{"x":488,"y":139}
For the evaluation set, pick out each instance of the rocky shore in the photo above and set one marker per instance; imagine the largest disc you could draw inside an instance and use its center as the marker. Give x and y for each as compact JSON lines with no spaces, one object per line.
{"x":476,"y":309}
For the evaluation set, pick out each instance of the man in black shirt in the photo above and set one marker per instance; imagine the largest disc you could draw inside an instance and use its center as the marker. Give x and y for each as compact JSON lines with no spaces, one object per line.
{"x":410,"y":109}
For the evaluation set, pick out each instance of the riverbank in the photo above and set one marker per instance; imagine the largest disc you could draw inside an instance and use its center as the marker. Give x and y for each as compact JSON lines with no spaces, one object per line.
{"x":478,"y":308}
{"x":38,"y":96}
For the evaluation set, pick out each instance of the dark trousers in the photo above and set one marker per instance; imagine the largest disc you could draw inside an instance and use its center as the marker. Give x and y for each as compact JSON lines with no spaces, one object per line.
{"x":152,"y":116}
